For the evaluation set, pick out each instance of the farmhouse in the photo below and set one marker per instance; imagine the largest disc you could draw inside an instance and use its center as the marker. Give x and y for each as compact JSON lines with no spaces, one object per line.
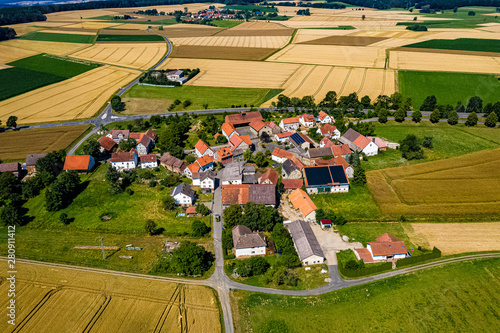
{"x":341,"y":150}
{"x":241,"y":194}
{"x":176,"y":76}
{"x":289,"y":170}
{"x":149,"y":161}
{"x":301,"y":140}
{"x":205,"y":162}
{"x":240,"y":142}
{"x":183,"y":195}
{"x":207,"y":181}
{"x":386,"y":248}
{"x":359,"y":143}
{"x":223,"y":155}
{"x":269,"y":177}
{"x":125,"y":160}
{"x":31,"y":162}
{"x":13,"y":167}
{"x":201,"y":149}
{"x":301,"y":201}
{"x":80,"y":163}
{"x":258,"y":127}
{"x":326,"y":179}
{"x":248,"y":243}
{"x":274,"y":128}
{"x":228,"y":130}
{"x":172,"y":163}
{"x":144,"y":144}
{"x":319,"y":152}
{"x":191,"y":169}
{"x":243,"y":118}
{"x":326,"y":142}
{"x":349,"y":170}
{"x":292,"y":184}
{"x":290,"y":124}
{"x":107,"y":144}
{"x":282,"y":137}
{"x":305,"y":243}
{"x":307,"y":120}
{"x":330,"y":131}
{"x":324,"y":118}
{"x":280,"y":155}
{"x":118,"y":135}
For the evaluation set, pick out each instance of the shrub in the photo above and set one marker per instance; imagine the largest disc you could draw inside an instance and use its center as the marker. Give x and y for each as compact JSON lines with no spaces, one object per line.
{"x":436,"y":253}
{"x":199,"y":228}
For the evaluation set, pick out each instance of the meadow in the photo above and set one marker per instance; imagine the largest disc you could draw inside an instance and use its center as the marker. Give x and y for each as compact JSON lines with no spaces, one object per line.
{"x":22,"y":80}
{"x":215,"y":97}
{"x":436,"y":299}
{"x":17,"y":144}
{"x":45,"y":63}
{"x":129,"y":38}
{"x":464,"y":44}
{"x":449,"y":88}
{"x":54,"y":37}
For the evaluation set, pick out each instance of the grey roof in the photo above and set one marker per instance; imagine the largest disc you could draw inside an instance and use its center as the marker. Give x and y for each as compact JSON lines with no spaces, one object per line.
{"x":32,"y":158}
{"x":262,"y":194}
{"x":351,"y":135}
{"x":320,"y":152}
{"x":184,"y":189}
{"x":243,"y":237}
{"x":249,"y":179}
{"x":304,"y":239}
{"x":299,"y":152}
{"x":12,"y":167}
{"x":207,"y":174}
{"x":289,"y":167}
{"x":248,"y":169}
{"x":231,"y":172}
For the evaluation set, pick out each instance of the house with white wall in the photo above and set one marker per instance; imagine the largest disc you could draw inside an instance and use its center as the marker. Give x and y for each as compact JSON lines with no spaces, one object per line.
{"x":125,"y":160}
{"x":359,"y":143}
{"x":307,"y":120}
{"x":149,"y":161}
{"x":201,"y":149}
{"x":247,"y":243}
{"x":324,"y":118}
{"x":290,"y":124}
{"x":183,"y":195}
{"x":386,"y":248}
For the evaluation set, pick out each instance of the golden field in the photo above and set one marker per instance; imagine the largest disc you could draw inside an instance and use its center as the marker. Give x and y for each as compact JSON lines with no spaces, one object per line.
{"x":17,"y":144}
{"x":66,"y":300}
{"x":465,"y":187}
{"x":77,"y":98}
{"x":273,"y":42}
{"x":134,"y":55}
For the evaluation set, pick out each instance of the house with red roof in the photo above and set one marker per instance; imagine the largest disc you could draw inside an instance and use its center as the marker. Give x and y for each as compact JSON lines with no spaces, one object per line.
{"x":282,"y":137}
{"x":240,"y":142}
{"x":149,"y":161}
{"x":275,"y":128}
{"x":281,"y":155}
{"x":359,"y":143}
{"x":269,"y":177}
{"x":382,"y":145}
{"x":330,"y":131}
{"x":307,"y":120}
{"x":201,"y":149}
{"x":386,"y":248}
{"x":228,"y":130}
{"x":205,"y":162}
{"x":326,"y":142}
{"x":292,"y":184}
{"x":106,"y":143}
{"x":258,"y":127}
{"x":191,"y":169}
{"x":223,"y":155}
{"x":125,"y":160}
{"x":117,"y":135}
{"x":290,"y":124}
{"x":80,"y":163}
{"x":324,"y":118}
{"x":341,"y":150}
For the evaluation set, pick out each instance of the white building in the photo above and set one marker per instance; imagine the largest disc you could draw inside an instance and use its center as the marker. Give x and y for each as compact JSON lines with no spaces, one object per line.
{"x":329,"y":131}
{"x":248,"y":243}
{"x":149,"y":161}
{"x":183,"y":195}
{"x":324,"y":118}
{"x":282,"y":137}
{"x":281,"y":155}
{"x":359,"y":143}
{"x":386,"y":248}
{"x":201,"y":149}
{"x":307,"y":120}
{"x":207,"y":181}
{"x":305,"y":242}
{"x":228,"y":130}
{"x":124,"y":160}
{"x":290,"y":124}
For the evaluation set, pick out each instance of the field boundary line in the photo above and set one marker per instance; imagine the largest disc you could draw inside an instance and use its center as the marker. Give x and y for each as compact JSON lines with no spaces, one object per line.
{"x":98,"y":314}
{"x":166,"y":311}
{"x":324,"y":80}
{"x":37,"y":307}
{"x":345,"y":82}
{"x":362,"y":85}
{"x":303,"y":80}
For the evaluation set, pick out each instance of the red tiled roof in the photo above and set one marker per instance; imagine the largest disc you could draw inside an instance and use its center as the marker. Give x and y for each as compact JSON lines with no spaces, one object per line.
{"x":322,"y":115}
{"x":123,"y":156}
{"x":326,"y":222}
{"x":228,"y":128}
{"x":290,"y":120}
{"x":364,"y":255}
{"x":246,"y":139}
{"x":298,"y":163}
{"x":148,"y":158}
{"x":326,"y":142}
{"x":300,"y":200}
{"x":234,"y":194}
{"x":135,"y":136}
{"x":292,"y":184}
{"x":223,"y":153}
{"x":191,"y":210}
{"x":107,"y":143}
{"x":388,"y":248}
{"x":307,"y":117}
{"x":284,"y":135}
{"x":339,"y":160}
{"x":327,"y":129}
{"x":270,"y":124}
{"x":114,"y":133}
{"x":194,"y":167}
{"x":271,"y":175}
{"x":77,"y":162}
{"x":306,"y":138}
{"x":201,"y":146}
{"x":243,"y":117}
{"x":340,"y":150}
{"x":257,"y":125}
{"x":387,"y":238}
{"x":282,"y":153}
{"x":205,"y":160}
{"x":362,"y":141}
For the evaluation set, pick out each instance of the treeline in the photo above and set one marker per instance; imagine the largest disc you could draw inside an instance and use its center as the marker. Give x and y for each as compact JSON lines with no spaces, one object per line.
{"x":15,"y":15}
{"x":436,"y":4}
{"x":159,"y":77}
{"x":7,"y":33}
{"x":327,"y":5}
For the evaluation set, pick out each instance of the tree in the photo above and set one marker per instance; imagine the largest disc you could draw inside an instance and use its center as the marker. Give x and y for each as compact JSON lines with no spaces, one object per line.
{"x":7,"y":33}
{"x":64,"y":218}
{"x":9,"y":186}
{"x":365,"y":100}
{"x":382,"y":115}
{"x":435,"y":116}
{"x":265,"y":137}
{"x":260,"y":159}
{"x":400,"y":115}
{"x":168,"y":203}
{"x":112,"y":178}
{"x":429,"y":103}
{"x":227,"y":239}
{"x":471,"y":13}
{"x":190,"y":259}
{"x":411,"y":149}
{"x":359,"y":178}
{"x":186,"y":103}
{"x":116,"y":103}
{"x":92,"y":147}
{"x":12,"y":122}
{"x":247,"y":155}
{"x":150,"y":227}
{"x":62,"y":191}
{"x":427,"y":143}
{"x":190,"y":158}
{"x":475,"y":105}
{"x":416,"y":116}
{"x":202,"y":209}
{"x":280,"y":187}
{"x":491,"y":120}
{"x":232,"y":216}
{"x":199,"y":229}
{"x":12,"y":215}
{"x":127,"y":145}
{"x":453,"y":118}
{"x":471,"y":120}
{"x":221,"y":139}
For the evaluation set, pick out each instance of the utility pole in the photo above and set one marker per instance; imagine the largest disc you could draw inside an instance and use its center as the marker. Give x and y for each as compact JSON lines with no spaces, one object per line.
{"x":102,"y":247}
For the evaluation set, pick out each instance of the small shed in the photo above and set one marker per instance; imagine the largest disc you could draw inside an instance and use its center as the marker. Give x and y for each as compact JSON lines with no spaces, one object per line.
{"x":325,"y":224}
{"x":191,"y":210}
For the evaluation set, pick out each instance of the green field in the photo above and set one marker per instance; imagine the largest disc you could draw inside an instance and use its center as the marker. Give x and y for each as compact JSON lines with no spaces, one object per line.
{"x":215,"y":97}
{"x":448,"y":141}
{"x":129,"y":38}
{"x":453,"y":298}
{"x":252,"y":8}
{"x":53,"y":37}
{"x":23,"y":80}
{"x":65,"y":67}
{"x":355,"y":205}
{"x":464,"y":44}
{"x":226,"y":23}
{"x":449,"y":88}
{"x":364,"y":232}
{"x":112,"y":18}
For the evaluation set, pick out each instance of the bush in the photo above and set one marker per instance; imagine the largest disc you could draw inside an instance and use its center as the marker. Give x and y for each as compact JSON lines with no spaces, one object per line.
{"x":199,"y":228}
{"x":436,"y":253}
{"x":153,"y":183}
{"x":129,"y":191}
{"x":362,"y":271}
{"x":64,"y":218}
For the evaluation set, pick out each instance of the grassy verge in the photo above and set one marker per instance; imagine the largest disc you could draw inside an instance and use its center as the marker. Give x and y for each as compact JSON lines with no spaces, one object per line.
{"x":443,"y":298}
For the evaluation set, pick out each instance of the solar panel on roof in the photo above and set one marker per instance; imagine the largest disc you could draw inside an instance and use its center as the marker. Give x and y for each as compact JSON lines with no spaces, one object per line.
{"x":317,"y":176}
{"x":338,"y":174}
{"x":297,"y":138}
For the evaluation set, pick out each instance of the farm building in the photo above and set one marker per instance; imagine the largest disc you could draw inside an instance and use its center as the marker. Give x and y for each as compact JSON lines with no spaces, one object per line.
{"x":31,"y":162}
{"x":281,"y":155}
{"x":240,"y":142}
{"x":289,"y":170}
{"x":326,"y":179}
{"x":349,"y":170}
{"x":290,"y":124}
{"x":14,"y":167}
{"x":243,"y":118}
{"x":207,"y":181}
{"x":241,"y":194}
{"x":274,"y":128}
{"x":307,"y":120}
{"x":80,"y":163}
{"x":223,"y":155}
{"x":232,"y":174}
{"x":191,"y":169}
{"x":292,"y":184}
{"x":248,"y":243}
{"x":149,"y":161}
{"x":201,"y":149}
{"x":107,"y":144}
{"x":386,"y":248}
{"x":125,"y":160}
{"x":306,"y":243}
{"x":301,"y":201}
{"x":300,"y":140}
{"x":326,"y":142}
{"x":191,"y":210}
{"x":172,"y":163}
{"x":258,"y":127}
{"x":269,"y":177}
{"x":329,"y":131}
{"x":282,"y":137}
{"x":319,"y":152}
{"x":183,"y":195}
{"x":359,"y":143}
{"x":228,"y":130}
{"x":324,"y":118}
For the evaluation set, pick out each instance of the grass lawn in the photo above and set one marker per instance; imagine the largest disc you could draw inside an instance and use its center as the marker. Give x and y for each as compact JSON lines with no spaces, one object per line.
{"x":449,"y":141}
{"x":215,"y":97}
{"x":444,"y":299}
{"x":226,"y":23}
{"x":53,"y":37}
{"x":356,"y":205}
{"x":464,"y":44}
{"x":129,"y":38}
{"x":449,"y":88}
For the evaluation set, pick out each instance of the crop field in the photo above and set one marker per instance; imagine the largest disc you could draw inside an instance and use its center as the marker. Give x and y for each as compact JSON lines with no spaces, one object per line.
{"x":21,"y":47}
{"x":128,"y":38}
{"x":91,"y":25}
{"x":187,"y":30}
{"x":140,"y":55}
{"x":218,"y":52}
{"x":257,"y":29}
{"x":304,"y":35}
{"x":10,"y":53}
{"x":441,"y":299}
{"x":17,"y":144}
{"x":439,"y":62}
{"x":234,"y":41}
{"x":351,"y":56}
{"x":104,"y":302}
{"x":23,"y":80}
{"x":345,"y":40}
{"x":54,"y":65}
{"x":449,"y":88}
{"x":25,"y":28}
{"x":215,"y":97}
{"x":72,"y":31}
{"x":55,"y":37}
{"x":465,"y":44}
{"x":77,"y":98}
{"x":460,"y":188}
{"x":220,"y":73}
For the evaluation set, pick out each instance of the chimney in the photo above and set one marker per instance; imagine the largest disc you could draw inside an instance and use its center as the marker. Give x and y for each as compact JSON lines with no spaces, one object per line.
{"x":373,"y":140}
{"x":243,"y":113}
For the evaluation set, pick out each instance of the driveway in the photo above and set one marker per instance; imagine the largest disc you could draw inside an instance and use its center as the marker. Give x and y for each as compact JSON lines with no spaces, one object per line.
{"x":331,"y":243}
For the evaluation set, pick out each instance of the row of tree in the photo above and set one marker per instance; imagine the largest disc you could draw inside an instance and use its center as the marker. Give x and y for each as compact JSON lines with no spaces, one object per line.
{"x":256,"y":217}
